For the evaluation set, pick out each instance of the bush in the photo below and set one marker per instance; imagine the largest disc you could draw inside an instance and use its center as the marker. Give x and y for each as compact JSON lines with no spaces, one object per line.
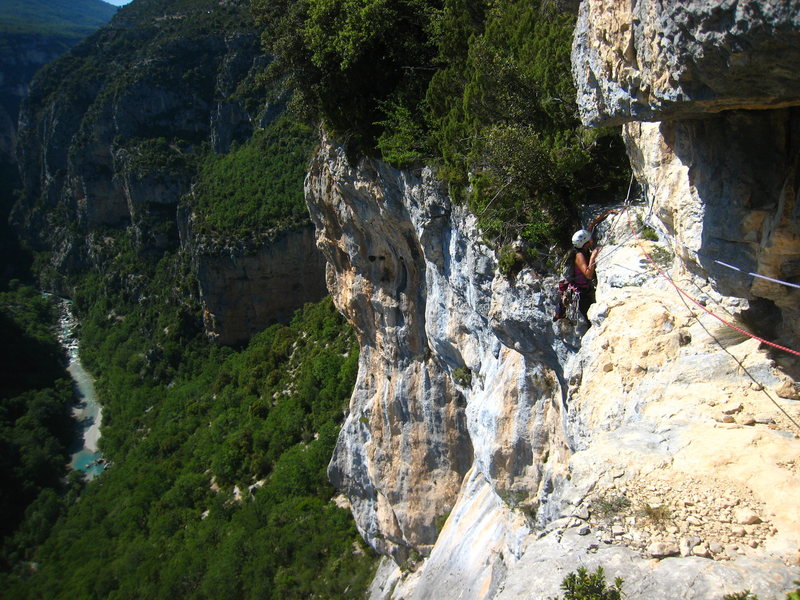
{"x":583,"y":585}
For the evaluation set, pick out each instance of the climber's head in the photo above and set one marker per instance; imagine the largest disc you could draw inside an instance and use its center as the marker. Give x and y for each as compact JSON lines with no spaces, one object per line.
{"x":581,"y":237}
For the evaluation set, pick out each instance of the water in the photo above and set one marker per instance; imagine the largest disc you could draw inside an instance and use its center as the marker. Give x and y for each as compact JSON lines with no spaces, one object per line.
{"x":87,"y":411}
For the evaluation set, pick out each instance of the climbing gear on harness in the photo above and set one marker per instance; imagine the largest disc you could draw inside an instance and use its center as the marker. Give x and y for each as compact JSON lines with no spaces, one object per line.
{"x":570,"y":301}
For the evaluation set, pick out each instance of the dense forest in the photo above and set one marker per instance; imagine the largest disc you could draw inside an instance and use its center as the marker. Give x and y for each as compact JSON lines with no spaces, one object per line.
{"x":217,"y":486}
{"x":217,"y":483}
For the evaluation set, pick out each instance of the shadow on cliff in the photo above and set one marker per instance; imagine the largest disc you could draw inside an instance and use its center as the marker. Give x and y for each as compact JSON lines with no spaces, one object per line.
{"x":744,"y":168}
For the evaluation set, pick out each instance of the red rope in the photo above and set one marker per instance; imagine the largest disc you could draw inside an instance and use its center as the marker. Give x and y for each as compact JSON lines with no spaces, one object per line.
{"x":680,"y":291}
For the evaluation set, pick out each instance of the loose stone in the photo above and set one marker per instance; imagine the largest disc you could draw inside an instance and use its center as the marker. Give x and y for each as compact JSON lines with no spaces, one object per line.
{"x":663,"y":549}
{"x":746,"y":516}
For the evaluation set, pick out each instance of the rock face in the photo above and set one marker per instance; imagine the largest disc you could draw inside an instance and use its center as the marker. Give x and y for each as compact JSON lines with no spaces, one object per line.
{"x":32,"y":35}
{"x":472,"y":405}
{"x":651,"y":61}
{"x":20,"y":58}
{"x":421,"y":295}
{"x":725,"y":191}
{"x":661,"y":444}
{"x":244,"y":288}
{"x":125,"y":158}
{"x":111,"y":137}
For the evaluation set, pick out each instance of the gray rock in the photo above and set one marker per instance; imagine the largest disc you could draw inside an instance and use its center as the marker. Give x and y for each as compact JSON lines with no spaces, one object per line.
{"x":687,"y":544}
{"x":663,"y":549}
{"x":655,"y":61}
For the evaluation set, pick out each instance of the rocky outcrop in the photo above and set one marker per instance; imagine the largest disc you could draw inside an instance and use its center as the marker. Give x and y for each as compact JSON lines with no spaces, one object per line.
{"x":31,"y":35}
{"x":725,"y":186}
{"x":122,"y":158}
{"x":661,"y":444}
{"x":246,"y":287}
{"x":474,"y":410}
{"x":651,"y":61}
{"x":438,"y":391}
{"x":725,"y":190}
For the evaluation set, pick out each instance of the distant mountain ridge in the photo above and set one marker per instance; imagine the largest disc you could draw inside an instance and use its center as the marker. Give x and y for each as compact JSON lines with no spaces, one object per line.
{"x":74,"y":18}
{"x":32,"y":34}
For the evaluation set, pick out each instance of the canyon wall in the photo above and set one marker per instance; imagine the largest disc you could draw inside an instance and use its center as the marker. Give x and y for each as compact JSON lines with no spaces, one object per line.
{"x":489,"y":451}
{"x":111,"y":139}
{"x":245,"y":287}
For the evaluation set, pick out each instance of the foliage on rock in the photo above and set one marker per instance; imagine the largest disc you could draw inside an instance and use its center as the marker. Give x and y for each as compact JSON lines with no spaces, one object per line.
{"x":481,"y":89}
{"x":255,"y":187}
{"x":582,"y":585}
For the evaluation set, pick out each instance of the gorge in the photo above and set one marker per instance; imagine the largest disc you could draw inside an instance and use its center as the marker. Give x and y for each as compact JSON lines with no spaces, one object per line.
{"x":483,"y":449}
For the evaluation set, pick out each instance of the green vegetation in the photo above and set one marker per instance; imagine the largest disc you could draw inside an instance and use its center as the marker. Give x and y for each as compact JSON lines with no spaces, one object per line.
{"x":463,"y":376}
{"x":583,"y":585}
{"x":35,"y":422}
{"x":655,"y":513}
{"x":69,"y":18}
{"x":256,"y":187}
{"x":184,"y":422}
{"x":610,"y":505}
{"x":481,"y":89}
{"x":748,"y":595}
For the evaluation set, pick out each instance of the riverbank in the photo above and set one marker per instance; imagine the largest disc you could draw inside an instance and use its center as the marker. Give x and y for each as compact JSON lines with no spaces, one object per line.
{"x":88,"y":413}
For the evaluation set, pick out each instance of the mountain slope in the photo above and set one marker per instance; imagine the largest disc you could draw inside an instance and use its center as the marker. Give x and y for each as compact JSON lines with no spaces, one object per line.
{"x":75,"y":18}
{"x":32,"y":34}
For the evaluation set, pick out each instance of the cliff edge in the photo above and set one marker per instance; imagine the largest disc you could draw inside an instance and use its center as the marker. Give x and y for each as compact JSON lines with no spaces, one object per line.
{"x":489,"y":451}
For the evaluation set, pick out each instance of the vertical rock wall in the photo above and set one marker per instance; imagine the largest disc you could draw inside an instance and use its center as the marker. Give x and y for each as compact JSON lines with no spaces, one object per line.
{"x":472,"y":404}
{"x":438,"y":393}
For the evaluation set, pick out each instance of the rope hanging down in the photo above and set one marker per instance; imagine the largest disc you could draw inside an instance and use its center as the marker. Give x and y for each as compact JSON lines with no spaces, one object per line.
{"x":687,"y":295}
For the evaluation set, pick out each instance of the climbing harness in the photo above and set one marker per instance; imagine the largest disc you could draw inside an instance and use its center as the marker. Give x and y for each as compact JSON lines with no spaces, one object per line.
{"x":570,"y":301}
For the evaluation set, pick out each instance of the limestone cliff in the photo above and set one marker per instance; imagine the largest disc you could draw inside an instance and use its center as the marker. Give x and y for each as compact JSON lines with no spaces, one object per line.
{"x":111,"y":140}
{"x":246,"y":286}
{"x":489,"y":451}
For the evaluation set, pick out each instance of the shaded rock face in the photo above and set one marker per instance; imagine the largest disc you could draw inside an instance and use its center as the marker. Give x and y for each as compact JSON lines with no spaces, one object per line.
{"x":20,"y":57}
{"x":243,"y":290}
{"x":650,"y":61}
{"x":111,"y":139}
{"x":438,"y":393}
{"x":725,"y":190}
{"x":85,"y":150}
{"x":116,"y":148}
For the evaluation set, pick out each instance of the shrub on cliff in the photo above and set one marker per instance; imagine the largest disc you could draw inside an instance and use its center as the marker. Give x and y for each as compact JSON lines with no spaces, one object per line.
{"x":481,"y":89}
{"x":583,"y":585}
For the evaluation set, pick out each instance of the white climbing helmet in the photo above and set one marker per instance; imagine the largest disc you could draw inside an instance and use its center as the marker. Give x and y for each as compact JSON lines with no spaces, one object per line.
{"x":580,"y":237}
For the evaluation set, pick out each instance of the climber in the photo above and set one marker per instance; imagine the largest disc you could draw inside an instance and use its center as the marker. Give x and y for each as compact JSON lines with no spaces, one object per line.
{"x":578,"y":274}
{"x":579,"y":270}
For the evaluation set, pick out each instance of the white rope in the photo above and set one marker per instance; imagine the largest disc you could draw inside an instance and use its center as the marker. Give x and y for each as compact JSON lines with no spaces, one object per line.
{"x":794,"y":285}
